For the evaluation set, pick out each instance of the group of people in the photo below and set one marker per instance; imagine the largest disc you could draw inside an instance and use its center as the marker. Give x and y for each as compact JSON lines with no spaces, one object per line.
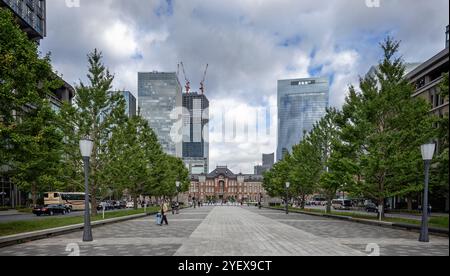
{"x":165,"y":209}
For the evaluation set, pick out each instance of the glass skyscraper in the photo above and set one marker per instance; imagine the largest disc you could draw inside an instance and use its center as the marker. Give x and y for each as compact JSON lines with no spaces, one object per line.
{"x":301,"y":103}
{"x":130,"y":103}
{"x":160,"y":97}
{"x":31,"y":15}
{"x":196,"y":132}
{"x":130,"y":100}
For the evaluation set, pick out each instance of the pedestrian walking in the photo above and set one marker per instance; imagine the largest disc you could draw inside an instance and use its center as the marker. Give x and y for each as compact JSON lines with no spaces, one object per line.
{"x":164,"y":210}
{"x":177,"y":207}
{"x":174,"y":207}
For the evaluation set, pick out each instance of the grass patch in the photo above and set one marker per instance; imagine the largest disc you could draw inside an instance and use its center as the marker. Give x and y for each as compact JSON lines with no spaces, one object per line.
{"x":25,"y":210}
{"x":17,"y":227}
{"x":436,"y":222}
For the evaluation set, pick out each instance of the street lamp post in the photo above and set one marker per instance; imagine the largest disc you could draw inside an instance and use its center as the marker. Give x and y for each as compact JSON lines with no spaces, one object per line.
{"x":86,"y":146}
{"x":178,"y":184}
{"x":427,"y":155}
{"x":287,"y":196}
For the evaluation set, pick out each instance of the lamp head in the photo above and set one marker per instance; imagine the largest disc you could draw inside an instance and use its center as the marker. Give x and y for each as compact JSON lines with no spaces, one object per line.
{"x":86,"y":146}
{"x":428,"y":151}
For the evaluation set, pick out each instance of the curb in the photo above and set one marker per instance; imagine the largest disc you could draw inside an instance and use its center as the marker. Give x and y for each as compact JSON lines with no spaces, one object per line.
{"x":53,"y":232}
{"x":393,"y":225}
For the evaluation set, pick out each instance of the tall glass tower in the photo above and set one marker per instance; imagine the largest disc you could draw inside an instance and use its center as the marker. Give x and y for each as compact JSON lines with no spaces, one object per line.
{"x":301,"y":103}
{"x":160,"y":100}
{"x":196,"y":132}
{"x":130,"y":101}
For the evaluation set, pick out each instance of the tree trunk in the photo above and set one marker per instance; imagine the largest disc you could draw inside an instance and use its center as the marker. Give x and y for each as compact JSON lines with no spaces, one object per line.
{"x":409,"y":200}
{"x":135,"y":201}
{"x":328,"y":205}
{"x":34,"y":193}
{"x":381,"y":206}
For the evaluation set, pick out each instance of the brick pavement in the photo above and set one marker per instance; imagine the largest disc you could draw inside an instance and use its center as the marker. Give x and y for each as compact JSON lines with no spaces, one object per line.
{"x":235,"y":231}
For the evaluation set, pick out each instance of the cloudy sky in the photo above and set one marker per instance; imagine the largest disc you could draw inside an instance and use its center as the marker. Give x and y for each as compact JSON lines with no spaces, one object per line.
{"x":248,"y":44}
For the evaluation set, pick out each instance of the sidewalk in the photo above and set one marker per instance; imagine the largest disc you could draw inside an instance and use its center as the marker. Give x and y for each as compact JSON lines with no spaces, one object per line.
{"x":10,"y":213}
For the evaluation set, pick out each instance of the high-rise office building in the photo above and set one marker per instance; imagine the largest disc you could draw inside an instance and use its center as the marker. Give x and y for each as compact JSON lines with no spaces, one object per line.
{"x":301,"y":104}
{"x":160,"y":101}
{"x":268,"y":162}
{"x":130,"y":103}
{"x":30,"y":15}
{"x":196,"y":132}
{"x":130,"y":100}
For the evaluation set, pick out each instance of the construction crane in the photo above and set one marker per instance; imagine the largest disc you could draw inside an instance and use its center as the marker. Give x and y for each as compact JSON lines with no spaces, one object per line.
{"x":188,"y":83}
{"x":202,"y":83}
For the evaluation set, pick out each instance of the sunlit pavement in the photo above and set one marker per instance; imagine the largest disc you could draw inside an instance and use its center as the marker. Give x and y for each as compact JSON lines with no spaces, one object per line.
{"x":236,"y":231}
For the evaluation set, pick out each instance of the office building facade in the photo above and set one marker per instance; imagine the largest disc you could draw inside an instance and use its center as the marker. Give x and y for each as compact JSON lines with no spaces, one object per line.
{"x":30,"y":16}
{"x":196,"y":132}
{"x":160,"y":101}
{"x":301,"y":104}
{"x":268,"y":162}
{"x":130,"y":104}
{"x":427,"y":78}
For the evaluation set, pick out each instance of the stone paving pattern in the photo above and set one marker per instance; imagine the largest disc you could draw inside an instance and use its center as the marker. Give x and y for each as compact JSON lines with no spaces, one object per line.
{"x":236,"y":231}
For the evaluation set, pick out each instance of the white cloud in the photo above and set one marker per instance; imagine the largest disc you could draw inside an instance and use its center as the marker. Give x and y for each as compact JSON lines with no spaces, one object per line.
{"x":244,"y":43}
{"x":120,"y":40}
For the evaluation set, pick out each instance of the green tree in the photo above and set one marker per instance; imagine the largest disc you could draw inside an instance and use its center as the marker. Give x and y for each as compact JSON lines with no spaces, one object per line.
{"x":96,"y":113}
{"x":386,"y":127}
{"x":333,"y":171}
{"x":169,"y":170}
{"x":302,"y":169}
{"x":276,"y":178}
{"x":30,"y":143}
{"x":135,"y":155}
{"x":305,"y":169}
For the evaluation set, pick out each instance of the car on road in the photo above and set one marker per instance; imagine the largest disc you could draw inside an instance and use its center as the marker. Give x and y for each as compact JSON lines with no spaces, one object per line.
{"x":51,"y":210}
{"x":130,"y":204}
{"x":119,"y":204}
{"x":107,"y":205}
{"x":342,"y":204}
{"x":371,"y":208}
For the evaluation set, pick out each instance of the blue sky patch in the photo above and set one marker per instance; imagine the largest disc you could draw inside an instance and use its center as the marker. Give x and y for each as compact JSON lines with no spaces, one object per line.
{"x":165,"y":9}
{"x":291,"y":41}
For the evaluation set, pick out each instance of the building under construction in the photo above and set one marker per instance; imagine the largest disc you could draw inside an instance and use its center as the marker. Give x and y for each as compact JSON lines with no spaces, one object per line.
{"x":195,"y":126}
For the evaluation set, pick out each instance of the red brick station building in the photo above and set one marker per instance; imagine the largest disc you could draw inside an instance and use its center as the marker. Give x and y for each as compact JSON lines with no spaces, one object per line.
{"x":223,"y":186}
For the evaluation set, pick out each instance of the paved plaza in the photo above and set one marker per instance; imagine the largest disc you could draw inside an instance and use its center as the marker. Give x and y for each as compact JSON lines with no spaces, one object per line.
{"x":236,"y":231}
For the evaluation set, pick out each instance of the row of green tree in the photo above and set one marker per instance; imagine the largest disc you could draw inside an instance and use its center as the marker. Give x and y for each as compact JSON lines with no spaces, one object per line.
{"x":370,"y":148}
{"x":39,"y":147}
